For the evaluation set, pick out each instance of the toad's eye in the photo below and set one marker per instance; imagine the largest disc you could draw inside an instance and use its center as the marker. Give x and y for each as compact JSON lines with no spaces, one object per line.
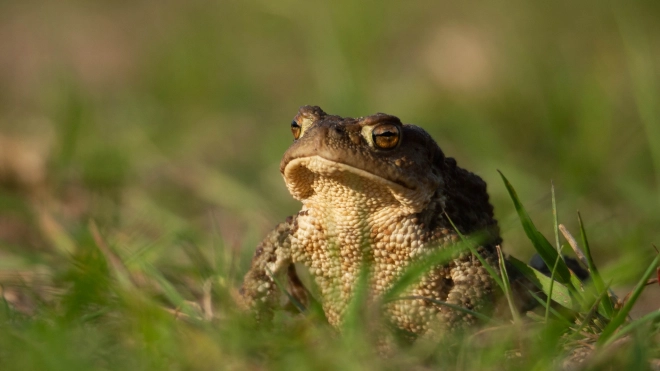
{"x":386,"y":136}
{"x":295,"y":129}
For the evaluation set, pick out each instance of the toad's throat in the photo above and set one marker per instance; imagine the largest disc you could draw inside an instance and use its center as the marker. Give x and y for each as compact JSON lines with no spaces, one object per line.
{"x":310,"y":179}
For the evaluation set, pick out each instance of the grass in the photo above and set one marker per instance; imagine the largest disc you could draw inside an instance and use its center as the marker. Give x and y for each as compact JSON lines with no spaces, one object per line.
{"x":139,"y":152}
{"x":107,"y":309}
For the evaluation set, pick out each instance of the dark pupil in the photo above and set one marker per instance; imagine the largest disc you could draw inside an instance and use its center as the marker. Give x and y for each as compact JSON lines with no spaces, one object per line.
{"x":387,"y":134}
{"x":294,"y":124}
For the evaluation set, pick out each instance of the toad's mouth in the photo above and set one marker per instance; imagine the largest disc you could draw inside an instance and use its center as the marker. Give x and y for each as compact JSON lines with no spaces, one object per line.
{"x":307,"y":176}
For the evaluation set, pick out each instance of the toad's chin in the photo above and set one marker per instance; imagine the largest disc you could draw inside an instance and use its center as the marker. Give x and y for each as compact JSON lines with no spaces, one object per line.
{"x":305,"y":177}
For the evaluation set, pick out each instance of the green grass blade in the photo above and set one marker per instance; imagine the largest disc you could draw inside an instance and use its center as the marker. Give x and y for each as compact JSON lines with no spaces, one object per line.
{"x":555,"y":219}
{"x":620,"y":317}
{"x":417,"y":269}
{"x":607,"y":305}
{"x":632,"y":326}
{"x":471,"y":245}
{"x":282,"y":287}
{"x":541,"y":244}
{"x":171,"y":293}
{"x":506,"y":285}
{"x":560,"y":294}
{"x":353,"y":323}
{"x":552,"y":310}
{"x":576,"y":282}
{"x":552,"y":286}
{"x":481,"y":316}
{"x":592,"y":312}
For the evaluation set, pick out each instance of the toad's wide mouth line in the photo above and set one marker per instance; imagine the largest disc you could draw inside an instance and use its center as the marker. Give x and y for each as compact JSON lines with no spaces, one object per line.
{"x":321,"y":165}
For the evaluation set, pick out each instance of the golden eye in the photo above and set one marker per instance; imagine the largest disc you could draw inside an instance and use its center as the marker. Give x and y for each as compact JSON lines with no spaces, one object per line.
{"x":386,"y":136}
{"x":295,"y":129}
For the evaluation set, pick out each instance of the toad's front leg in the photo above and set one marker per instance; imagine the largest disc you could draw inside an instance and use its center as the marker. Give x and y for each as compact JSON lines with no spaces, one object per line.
{"x":271,"y":265}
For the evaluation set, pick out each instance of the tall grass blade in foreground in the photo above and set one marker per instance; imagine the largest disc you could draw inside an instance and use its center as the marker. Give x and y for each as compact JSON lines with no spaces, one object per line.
{"x":506,"y":286}
{"x":420,"y":267}
{"x":607,"y":302}
{"x":472,"y":247}
{"x":560,"y":293}
{"x":621,"y":316}
{"x":555,"y":219}
{"x":541,"y":244}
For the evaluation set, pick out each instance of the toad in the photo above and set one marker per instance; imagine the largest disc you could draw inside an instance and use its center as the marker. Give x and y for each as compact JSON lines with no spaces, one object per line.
{"x":378,"y":195}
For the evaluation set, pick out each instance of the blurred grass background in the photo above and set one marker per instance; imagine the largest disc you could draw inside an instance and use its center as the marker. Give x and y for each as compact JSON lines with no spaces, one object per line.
{"x":163,"y":122}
